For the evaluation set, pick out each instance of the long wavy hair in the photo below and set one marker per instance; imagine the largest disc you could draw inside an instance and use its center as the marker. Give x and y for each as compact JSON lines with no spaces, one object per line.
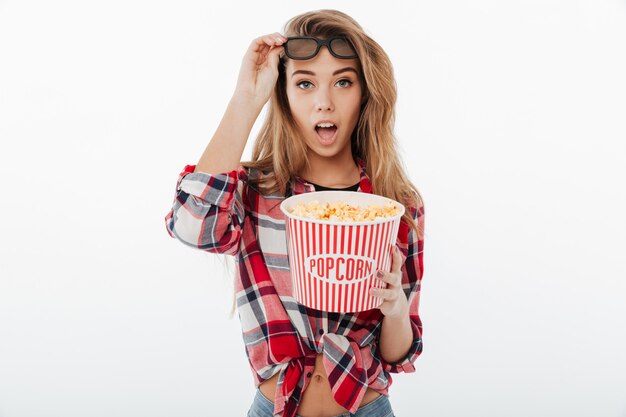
{"x":280,"y":153}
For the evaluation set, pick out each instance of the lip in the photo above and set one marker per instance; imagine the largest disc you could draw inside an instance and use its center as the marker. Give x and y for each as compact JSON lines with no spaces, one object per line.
{"x":325,"y":121}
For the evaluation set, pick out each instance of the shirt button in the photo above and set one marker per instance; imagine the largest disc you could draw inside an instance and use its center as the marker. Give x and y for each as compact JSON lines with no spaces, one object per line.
{"x":321,"y":331}
{"x":309,"y":375}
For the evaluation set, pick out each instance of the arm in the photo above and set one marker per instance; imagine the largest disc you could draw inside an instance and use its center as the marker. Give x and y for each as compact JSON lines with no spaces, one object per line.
{"x":208,"y":211}
{"x":396,"y":337}
{"x":224,"y":151}
{"x":400,"y":339}
{"x":255,"y":84}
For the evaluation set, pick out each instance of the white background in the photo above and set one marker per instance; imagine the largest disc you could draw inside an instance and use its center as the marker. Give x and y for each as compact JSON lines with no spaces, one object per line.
{"x":511,"y":120}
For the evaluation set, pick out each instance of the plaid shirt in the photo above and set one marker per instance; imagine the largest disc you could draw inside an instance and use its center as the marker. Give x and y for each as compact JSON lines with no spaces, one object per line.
{"x":221,"y":213}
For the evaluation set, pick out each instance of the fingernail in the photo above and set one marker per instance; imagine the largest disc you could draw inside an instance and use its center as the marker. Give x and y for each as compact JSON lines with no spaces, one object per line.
{"x":379,"y":274}
{"x":374,"y":291}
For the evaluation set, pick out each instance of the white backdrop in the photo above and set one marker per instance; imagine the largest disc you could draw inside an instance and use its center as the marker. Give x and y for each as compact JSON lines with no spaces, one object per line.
{"x":511,"y":119}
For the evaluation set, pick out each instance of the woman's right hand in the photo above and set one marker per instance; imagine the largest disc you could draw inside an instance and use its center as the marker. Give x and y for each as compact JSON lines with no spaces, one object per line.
{"x":259,"y":68}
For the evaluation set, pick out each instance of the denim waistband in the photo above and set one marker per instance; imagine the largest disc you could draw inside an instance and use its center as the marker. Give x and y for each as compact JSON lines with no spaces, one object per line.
{"x":380,"y":407}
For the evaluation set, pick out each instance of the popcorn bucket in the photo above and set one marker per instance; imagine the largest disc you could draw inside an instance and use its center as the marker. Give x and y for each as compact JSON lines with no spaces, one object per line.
{"x":333,"y":263}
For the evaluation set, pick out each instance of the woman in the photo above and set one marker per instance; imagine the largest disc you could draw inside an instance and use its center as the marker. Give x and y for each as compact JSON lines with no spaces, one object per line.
{"x":329,"y":126}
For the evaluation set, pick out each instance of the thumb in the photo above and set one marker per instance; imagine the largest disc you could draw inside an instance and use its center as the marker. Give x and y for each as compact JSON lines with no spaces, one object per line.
{"x":273,"y":56}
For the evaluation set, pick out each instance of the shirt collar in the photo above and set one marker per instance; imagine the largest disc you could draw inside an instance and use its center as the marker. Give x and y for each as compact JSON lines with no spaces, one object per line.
{"x":302,"y":186}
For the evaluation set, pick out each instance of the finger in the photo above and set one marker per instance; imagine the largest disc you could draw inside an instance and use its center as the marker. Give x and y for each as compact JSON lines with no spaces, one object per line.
{"x":273,"y":56}
{"x":269,"y":54}
{"x":388,"y":280}
{"x":269,"y":40}
{"x":396,"y":259}
{"x":387,"y":295}
{"x":380,"y":283}
{"x":280,"y":36}
{"x":261,"y":53}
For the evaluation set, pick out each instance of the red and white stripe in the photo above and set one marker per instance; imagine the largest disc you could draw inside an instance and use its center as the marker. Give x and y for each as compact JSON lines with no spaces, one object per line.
{"x":306,"y":239}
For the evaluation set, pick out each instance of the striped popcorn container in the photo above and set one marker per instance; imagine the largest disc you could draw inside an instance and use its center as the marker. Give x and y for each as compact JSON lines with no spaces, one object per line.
{"x":333,"y":263}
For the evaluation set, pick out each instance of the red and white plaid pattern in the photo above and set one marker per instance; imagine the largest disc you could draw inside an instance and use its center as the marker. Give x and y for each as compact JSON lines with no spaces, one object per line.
{"x":222,"y":213}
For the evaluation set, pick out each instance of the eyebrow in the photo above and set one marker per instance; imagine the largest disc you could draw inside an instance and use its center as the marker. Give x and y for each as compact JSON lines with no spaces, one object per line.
{"x":339,"y":71}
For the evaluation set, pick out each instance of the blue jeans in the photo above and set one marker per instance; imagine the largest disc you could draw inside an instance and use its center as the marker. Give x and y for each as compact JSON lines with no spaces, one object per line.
{"x":380,"y":407}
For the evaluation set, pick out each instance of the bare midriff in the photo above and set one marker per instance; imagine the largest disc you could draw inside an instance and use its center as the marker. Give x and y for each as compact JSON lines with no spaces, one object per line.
{"x":317,"y":400}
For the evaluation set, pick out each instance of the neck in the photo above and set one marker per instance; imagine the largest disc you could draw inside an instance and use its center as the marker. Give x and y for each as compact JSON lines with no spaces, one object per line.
{"x":335,"y":172}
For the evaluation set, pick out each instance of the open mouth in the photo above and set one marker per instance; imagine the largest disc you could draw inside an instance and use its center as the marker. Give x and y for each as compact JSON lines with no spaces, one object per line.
{"x":326,"y":134}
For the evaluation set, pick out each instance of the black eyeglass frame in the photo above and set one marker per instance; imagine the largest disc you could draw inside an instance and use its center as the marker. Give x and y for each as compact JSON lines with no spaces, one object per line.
{"x":320,"y":43}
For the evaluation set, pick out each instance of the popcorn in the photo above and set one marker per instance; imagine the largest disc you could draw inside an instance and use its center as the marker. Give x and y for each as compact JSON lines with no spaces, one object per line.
{"x":333,"y":263}
{"x":340,"y":211}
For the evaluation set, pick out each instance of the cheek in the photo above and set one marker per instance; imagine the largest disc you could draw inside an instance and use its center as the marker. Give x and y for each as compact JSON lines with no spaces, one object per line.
{"x":299,"y":115}
{"x":296,"y":106}
{"x":356,"y":97}
{"x":350,"y":98}
{"x":352,"y":106}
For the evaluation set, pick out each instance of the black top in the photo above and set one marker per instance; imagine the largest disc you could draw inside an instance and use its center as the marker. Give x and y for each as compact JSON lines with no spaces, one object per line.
{"x":354,"y":187}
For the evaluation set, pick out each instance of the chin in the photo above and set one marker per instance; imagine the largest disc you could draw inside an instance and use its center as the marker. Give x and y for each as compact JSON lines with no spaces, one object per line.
{"x":325,"y":152}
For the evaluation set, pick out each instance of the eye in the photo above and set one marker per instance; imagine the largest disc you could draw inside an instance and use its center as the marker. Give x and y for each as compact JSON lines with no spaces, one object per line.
{"x":345,"y":81}
{"x":303,"y":82}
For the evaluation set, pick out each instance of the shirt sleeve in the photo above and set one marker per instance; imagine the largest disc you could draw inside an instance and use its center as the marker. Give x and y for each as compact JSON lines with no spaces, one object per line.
{"x":208,"y":211}
{"x":412,"y":272}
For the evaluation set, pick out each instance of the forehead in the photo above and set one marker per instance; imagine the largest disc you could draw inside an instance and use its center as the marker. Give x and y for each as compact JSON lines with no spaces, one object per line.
{"x":322,"y":64}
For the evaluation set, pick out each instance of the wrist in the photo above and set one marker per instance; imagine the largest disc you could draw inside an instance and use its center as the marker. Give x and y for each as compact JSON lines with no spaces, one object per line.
{"x":401,"y":313}
{"x":247,"y":99}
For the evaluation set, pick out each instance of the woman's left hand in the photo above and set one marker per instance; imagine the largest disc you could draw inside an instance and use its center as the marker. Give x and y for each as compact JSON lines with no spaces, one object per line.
{"x":394,"y":302}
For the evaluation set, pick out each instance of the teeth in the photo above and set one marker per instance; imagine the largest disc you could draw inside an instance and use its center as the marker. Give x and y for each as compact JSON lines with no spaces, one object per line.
{"x":325,"y":124}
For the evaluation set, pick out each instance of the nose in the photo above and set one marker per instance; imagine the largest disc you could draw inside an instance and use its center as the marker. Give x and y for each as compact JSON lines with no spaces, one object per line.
{"x":323,"y":100}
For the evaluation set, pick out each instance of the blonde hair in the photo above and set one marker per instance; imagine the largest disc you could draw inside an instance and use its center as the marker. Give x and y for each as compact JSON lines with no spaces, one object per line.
{"x":279,"y":157}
